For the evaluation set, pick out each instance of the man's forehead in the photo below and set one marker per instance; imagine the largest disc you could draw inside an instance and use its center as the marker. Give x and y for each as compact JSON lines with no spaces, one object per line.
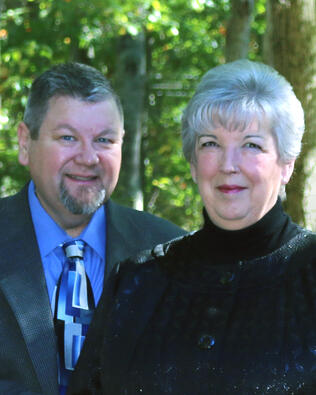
{"x":67,"y":112}
{"x":72,"y":101}
{"x":80,"y":99}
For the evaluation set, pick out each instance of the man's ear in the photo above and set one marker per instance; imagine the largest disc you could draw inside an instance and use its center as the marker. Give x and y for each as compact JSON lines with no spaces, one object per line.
{"x":193,"y":171}
{"x":24,"y":138}
{"x":287,"y":171}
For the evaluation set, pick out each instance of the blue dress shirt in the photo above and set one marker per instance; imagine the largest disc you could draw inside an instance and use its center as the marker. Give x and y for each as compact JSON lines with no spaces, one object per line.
{"x":50,"y":237}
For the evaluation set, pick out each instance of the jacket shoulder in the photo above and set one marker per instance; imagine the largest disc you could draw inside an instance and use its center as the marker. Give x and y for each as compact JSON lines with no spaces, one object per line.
{"x":14,"y":205}
{"x":145,"y":219}
{"x":310,"y":242}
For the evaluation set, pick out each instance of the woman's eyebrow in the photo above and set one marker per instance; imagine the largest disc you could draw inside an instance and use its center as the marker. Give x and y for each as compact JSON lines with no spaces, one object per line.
{"x":207,"y":135}
{"x":254,"y":135}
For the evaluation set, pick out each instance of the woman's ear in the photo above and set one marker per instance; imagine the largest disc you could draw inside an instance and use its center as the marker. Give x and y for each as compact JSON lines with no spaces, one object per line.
{"x":287,"y":171}
{"x":193,"y":171}
{"x":24,"y":143}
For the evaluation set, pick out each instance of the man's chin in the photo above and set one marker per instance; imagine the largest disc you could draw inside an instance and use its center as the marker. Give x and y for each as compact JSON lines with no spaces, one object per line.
{"x":84,"y":209}
{"x":83,"y":205}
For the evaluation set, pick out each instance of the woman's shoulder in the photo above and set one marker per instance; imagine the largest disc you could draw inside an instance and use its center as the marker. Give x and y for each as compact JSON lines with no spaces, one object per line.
{"x":310,"y":243}
{"x":300,"y":246}
{"x":149,"y":261}
{"x":160,"y":251}
{"x":305,"y":240}
{"x":299,"y":252}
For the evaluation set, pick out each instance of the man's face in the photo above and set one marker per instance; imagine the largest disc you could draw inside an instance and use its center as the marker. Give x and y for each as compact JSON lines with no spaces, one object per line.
{"x":75,"y":161}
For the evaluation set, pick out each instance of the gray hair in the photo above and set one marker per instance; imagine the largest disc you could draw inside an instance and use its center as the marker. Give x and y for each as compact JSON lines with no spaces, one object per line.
{"x":232,"y":95}
{"x":72,"y":79}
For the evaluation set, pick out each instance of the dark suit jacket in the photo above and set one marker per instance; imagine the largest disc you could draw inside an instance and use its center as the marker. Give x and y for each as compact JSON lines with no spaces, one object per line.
{"x":28,"y":355}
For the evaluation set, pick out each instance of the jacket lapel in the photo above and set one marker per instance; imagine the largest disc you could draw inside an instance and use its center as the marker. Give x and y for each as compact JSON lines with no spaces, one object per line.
{"x":23,"y":283}
{"x":121,"y":240}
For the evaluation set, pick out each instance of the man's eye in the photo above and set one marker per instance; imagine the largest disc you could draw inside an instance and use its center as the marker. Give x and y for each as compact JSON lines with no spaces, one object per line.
{"x":103,"y":140}
{"x":67,"y":138}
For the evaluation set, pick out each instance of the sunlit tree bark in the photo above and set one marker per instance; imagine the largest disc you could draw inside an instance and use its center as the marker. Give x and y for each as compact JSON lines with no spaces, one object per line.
{"x":130,"y":85}
{"x":290,"y":48}
{"x":1,"y":6}
{"x":238,"y":29}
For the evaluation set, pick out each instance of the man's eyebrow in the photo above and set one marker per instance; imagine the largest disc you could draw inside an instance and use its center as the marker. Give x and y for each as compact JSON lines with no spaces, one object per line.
{"x":65,"y":126}
{"x":108,"y":131}
{"x":74,"y":130}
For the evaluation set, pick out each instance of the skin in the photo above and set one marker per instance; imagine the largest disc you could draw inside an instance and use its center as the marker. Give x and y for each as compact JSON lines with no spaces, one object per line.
{"x":79,"y":147}
{"x":239,"y":174}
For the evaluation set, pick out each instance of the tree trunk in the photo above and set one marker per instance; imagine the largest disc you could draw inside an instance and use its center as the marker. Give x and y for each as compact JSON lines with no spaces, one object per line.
{"x":130,"y":85}
{"x":290,"y":48}
{"x":238,"y":29}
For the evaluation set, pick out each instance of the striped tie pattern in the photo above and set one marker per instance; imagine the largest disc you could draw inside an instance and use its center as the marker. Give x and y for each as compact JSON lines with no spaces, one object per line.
{"x":73,"y":310}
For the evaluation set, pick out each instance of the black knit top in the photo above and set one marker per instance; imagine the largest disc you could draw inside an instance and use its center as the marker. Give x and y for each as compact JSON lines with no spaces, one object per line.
{"x":215,"y":312}
{"x":265,"y":236}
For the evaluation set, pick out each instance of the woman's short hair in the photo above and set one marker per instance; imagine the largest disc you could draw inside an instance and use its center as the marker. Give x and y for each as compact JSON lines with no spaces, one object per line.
{"x":234,"y":94}
{"x":71,"y":79}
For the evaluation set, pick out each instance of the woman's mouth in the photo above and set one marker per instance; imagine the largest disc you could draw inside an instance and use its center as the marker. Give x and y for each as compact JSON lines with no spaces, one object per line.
{"x":230,"y":189}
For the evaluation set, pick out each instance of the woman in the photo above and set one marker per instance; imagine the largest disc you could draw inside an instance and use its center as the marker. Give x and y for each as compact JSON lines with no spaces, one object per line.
{"x":231,"y":308}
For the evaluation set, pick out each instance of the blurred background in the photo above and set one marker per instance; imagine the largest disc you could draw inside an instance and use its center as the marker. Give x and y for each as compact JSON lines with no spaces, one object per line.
{"x":154,"y":53}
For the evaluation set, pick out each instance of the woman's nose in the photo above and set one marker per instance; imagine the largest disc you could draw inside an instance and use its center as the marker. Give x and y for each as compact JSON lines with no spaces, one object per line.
{"x":230,"y":160}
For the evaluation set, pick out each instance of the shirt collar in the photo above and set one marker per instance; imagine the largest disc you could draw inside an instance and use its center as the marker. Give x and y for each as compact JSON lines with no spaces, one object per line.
{"x":49,"y":234}
{"x":94,"y":232}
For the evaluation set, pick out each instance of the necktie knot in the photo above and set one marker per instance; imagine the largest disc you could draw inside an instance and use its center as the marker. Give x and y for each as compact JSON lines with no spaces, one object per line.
{"x":74,"y":248}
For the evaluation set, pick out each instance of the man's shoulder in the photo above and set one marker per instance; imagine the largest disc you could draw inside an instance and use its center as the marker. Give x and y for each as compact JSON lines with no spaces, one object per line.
{"x":143,"y":218}
{"x":18,"y":199}
{"x":116,"y":207}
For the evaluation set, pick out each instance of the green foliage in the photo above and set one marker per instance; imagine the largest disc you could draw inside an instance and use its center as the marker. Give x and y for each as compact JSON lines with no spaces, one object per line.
{"x":184,"y":39}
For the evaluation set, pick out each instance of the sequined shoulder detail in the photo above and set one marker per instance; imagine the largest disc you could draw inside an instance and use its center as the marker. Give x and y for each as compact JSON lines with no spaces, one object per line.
{"x":183,"y":265}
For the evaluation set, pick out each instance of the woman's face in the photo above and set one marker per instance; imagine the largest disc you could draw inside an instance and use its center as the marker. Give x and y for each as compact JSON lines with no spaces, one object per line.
{"x":239,"y":174}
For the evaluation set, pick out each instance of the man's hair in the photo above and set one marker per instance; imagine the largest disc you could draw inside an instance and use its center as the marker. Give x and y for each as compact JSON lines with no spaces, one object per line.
{"x":75,"y":80}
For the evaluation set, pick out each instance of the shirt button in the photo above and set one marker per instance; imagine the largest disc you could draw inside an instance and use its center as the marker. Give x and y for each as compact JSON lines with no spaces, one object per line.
{"x":227,"y":278}
{"x":206,"y":342}
{"x":212,"y":311}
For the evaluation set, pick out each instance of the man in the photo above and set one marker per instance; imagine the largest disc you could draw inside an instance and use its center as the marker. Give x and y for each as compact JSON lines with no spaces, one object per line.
{"x":71,"y":139}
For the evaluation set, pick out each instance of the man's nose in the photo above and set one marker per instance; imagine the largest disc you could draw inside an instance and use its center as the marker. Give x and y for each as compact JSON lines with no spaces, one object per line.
{"x":87,"y":155}
{"x":230,"y":160}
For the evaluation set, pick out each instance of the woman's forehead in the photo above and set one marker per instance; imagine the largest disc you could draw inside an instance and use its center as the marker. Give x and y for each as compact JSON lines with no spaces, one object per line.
{"x":232,"y":124}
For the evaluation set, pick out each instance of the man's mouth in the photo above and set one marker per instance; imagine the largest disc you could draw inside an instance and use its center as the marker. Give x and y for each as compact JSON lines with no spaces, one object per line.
{"x":82,"y":178}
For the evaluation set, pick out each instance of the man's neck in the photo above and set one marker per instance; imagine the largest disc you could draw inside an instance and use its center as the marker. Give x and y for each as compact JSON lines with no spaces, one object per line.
{"x":75,"y":231}
{"x":72,"y":224}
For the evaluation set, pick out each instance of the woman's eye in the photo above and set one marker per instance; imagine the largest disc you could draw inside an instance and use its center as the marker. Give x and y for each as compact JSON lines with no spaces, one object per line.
{"x":209,"y":144}
{"x":253,"y":146}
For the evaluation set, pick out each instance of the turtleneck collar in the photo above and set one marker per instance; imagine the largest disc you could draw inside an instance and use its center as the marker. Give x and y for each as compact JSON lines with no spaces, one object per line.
{"x":259,"y":239}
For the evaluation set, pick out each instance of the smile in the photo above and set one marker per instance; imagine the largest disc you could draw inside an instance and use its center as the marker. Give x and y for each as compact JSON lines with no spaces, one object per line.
{"x":230,"y":188}
{"x":81,"y":178}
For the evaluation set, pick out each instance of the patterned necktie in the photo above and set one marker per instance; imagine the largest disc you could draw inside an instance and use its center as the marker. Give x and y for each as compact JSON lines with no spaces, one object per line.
{"x":73,"y":310}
